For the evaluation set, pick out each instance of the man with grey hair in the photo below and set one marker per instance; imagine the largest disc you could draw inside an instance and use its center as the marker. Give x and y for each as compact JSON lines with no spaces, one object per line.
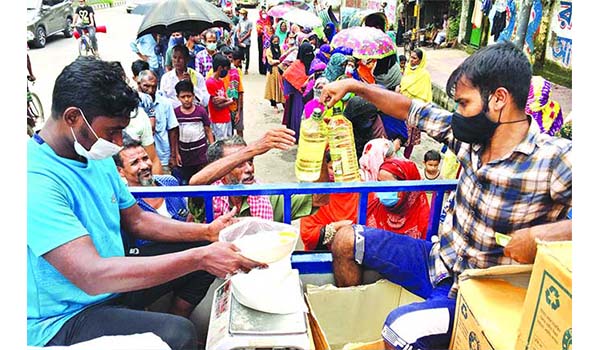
{"x":203,"y":59}
{"x":162,"y":116}
{"x":231,"y":162}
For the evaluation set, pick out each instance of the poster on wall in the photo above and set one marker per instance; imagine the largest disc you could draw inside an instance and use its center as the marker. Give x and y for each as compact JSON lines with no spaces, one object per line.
{"x":560,"y":38}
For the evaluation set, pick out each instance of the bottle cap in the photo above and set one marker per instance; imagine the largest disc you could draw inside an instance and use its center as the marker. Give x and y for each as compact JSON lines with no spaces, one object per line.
{"x":317,"y":114}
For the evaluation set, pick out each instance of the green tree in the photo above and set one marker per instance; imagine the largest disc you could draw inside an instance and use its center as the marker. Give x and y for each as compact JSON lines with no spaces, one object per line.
{"x":522,"y":23}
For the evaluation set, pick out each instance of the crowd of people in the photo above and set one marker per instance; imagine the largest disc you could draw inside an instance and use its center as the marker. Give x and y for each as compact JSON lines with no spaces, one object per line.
{"x":297,"y":61}
{"x":97,"y":257}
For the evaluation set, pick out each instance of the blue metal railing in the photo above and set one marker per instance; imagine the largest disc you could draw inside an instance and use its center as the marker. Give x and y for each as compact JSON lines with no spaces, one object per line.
{"x":438,"y":188}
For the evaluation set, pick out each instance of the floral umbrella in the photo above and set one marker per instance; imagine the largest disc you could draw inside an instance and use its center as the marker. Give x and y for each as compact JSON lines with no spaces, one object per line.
{"x":366,"y":42}
{"x":279,"y":10}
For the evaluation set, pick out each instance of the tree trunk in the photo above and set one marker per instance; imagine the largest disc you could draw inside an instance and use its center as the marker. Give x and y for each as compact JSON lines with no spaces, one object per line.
{"x":522,"y":23}
{"x":464,"y":20}
{"x":540,"y":45}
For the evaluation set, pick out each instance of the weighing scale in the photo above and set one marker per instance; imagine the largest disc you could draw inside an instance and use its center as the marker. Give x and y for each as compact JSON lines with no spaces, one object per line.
{"x":235,"y":326}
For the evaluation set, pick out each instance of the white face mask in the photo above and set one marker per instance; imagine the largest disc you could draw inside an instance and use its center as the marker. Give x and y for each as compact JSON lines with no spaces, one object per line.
{"x":101,"y":149}
{"x":211,"y":46}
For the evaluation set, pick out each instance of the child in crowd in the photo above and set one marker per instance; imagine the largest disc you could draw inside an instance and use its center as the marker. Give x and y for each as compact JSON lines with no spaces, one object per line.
{"x":431,"y":169}
{"x":234,"y":88}
{"x":402,"y":61}
{"x":432,"y":160}
{"x":218,"y":104}
{"x":194,"y":132}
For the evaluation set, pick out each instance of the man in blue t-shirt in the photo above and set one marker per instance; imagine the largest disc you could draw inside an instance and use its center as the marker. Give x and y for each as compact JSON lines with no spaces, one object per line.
{"x":78,"y":279}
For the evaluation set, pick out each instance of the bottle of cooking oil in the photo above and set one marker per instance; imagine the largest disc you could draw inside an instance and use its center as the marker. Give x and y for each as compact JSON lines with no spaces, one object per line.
{"x":342,"y":149}
{"x":311,"y":147}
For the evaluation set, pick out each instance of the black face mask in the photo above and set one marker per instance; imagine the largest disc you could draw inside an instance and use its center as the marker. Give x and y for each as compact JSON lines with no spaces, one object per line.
{"x":478,"y":129}
{"x":474,"y":130}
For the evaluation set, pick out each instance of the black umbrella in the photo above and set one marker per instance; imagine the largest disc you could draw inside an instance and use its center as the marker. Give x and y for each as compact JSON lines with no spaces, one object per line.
{"x":169,"y":16}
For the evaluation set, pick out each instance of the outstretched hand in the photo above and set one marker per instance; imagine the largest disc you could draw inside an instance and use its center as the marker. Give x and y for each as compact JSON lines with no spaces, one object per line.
{"x":215,"y":227}
{"x":334,"y":91}
{"x":280,"y":138}
{"x":223,"y":259}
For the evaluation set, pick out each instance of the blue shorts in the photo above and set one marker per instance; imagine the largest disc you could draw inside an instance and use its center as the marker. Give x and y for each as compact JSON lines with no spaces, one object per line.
{"x":221,"y":130}
{"x":405,"y":261}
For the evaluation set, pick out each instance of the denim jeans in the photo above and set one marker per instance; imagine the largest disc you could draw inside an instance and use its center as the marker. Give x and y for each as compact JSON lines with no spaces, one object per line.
{"x":115,"y":318}
{"x":405,"y":261}
{"x":91,"y":33}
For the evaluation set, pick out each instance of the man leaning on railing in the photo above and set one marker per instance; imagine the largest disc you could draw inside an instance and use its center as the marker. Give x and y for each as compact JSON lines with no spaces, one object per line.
{"x":231,"y":162}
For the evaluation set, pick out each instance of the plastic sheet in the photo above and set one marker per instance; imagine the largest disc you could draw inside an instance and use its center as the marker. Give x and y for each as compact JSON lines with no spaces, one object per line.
{"x":273,"y":290}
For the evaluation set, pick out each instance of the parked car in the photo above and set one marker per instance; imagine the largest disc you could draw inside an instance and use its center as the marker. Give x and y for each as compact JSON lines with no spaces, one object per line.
{"x":130,"y":5}
{"x":247,"y":3}
{"x":46,"y":18}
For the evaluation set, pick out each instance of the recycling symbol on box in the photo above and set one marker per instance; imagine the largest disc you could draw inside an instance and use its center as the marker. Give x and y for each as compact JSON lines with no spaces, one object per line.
{"x":473,"y":341}
{"x":463,"y":310}
{"x":567,"y":341}
{"x":552,"y":298}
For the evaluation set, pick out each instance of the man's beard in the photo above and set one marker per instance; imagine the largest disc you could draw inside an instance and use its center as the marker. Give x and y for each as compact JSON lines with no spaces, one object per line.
{"x":144,"y":181}
{"x":232,"y":180}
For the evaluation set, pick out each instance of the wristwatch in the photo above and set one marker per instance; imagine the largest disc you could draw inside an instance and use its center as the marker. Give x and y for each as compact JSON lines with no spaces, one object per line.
{"x":330,"y":232}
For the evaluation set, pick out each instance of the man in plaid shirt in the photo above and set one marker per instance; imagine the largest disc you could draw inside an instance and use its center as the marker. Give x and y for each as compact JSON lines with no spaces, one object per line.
{"x":203,"y":59}
{"x":515,"y":181}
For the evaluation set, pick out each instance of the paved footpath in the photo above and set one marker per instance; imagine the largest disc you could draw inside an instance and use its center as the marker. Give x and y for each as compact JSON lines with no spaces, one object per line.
{"x":106,"y":5}
{"x":441,"y":63}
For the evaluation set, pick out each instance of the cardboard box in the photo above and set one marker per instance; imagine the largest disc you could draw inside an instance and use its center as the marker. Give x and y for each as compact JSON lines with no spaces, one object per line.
{"x":489,"y":307}
{"x":339,"y":316}
{"x":547,"y":317}
{"x":374,"y":345}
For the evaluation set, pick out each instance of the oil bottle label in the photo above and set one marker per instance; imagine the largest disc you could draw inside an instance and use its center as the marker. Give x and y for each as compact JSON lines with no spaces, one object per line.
{"x":336,"y":163}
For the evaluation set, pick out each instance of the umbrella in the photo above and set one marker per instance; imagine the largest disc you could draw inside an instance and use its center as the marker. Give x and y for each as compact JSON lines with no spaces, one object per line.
{"x":142,"y":6}
{"x":303,"y":18}
{"x":366,"y":42}
{"x":295,"y":3}
{"x":182,"y":15}
{"x":279,"y":10}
